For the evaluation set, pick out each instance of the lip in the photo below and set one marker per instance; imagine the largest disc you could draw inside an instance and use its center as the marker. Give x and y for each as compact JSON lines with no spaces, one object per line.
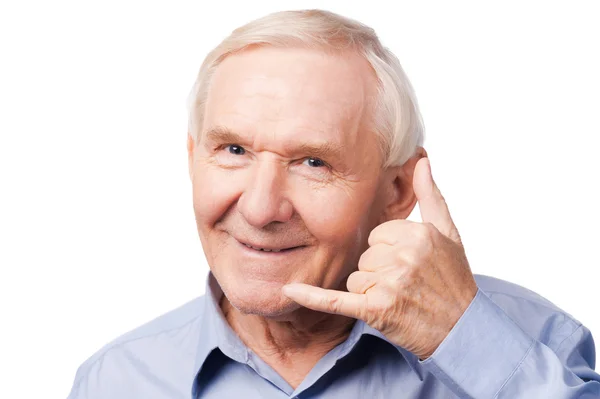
{"x":269,"y":250}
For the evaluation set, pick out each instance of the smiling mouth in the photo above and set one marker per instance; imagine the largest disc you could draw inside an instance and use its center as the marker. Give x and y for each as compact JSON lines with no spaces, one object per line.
{"x":271,"y":249}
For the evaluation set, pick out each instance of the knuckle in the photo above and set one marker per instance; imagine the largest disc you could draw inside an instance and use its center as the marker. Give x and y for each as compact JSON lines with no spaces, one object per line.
{"x":384,"y":231}
{"x":407,"y":279}
{"x":333,"y":303}
{"x":424,"y":231}
{"x":412,"y":274}
{"x":400,"y":256}
{"x":426,"y":237}
{"x":373,"y":236}
{"x":384,"y":303}
{"x":363,"y":261}
{"x":402,"y":281}
{"x":382,"y":315}
{"x":408,"y":256}
{"x":414,"y":256}
{"x":390,"y":302}
{"x":378,"y":322}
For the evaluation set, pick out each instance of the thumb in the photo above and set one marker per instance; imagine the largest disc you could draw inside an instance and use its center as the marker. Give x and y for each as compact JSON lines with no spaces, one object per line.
{"x":432,"y":204}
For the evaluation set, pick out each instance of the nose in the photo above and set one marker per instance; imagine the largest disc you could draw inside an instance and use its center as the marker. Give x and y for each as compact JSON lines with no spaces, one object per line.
{"x":264,"y":199}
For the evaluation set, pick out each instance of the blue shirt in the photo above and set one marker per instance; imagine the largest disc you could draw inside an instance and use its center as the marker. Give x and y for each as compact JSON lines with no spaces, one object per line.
{"x":509,"y":343}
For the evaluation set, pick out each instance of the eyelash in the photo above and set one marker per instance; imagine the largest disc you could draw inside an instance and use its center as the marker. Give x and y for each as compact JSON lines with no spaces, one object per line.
{"x":224,"y":147}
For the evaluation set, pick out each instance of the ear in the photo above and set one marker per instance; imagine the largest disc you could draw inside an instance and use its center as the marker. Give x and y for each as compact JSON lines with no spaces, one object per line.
{"x":191,"y":146}
{"x":402,"y":199}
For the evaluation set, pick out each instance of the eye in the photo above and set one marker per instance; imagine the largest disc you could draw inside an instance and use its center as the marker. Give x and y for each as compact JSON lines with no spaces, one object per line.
{"x":235,"y":149}
{"x":314,"y":162}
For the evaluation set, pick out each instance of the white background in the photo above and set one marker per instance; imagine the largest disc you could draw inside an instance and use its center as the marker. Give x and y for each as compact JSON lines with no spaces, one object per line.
{"x":97,"y":233}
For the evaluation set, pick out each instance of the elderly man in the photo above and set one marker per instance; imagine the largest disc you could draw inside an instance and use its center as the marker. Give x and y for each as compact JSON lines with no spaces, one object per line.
{"x":306,"y":158}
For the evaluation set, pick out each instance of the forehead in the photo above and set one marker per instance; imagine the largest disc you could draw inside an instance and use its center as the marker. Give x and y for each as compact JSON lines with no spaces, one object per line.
{"x":291,"y":93}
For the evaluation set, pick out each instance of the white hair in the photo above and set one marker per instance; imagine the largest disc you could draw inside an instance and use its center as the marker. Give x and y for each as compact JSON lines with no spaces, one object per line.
{"x":396,"y":116}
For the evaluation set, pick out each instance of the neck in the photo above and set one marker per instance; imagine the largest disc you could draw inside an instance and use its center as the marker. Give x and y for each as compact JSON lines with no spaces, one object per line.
{"x":292,"y":346}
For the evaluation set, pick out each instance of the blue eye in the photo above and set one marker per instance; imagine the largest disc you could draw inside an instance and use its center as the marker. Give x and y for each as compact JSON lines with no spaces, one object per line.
{"x":314,"y":162}
{"x":236,"y":149}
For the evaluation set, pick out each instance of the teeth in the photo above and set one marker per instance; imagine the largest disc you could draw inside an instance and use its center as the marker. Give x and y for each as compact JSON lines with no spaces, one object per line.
{"x":263,"y":249}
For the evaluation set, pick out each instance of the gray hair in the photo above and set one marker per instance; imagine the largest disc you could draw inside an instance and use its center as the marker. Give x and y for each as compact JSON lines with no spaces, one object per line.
{"x":396,"y":120}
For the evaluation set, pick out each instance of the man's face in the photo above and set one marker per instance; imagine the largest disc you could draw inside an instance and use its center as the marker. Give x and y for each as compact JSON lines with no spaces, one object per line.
{"x":286,"y":176}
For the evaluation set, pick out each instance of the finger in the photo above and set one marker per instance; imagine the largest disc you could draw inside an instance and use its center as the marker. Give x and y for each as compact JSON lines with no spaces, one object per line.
{"x":391,"y":232}
{"x":360,"y":282}
{"x":432,"y":204}
{"x":376,"y":258}
{"x":328,"y":301}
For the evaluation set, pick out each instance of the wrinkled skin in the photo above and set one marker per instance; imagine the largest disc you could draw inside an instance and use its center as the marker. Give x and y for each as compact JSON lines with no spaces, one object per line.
{"x":286,"y":161}
{"x":284,"y":109}
{"x":413,"y":283}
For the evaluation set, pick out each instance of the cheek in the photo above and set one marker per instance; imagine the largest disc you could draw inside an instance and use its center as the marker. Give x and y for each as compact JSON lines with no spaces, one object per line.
{"x":337,"y":216}
{"x":214,"y":191}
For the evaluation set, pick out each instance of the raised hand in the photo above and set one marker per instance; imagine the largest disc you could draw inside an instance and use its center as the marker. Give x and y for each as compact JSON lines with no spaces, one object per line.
{"x":413,"y":283}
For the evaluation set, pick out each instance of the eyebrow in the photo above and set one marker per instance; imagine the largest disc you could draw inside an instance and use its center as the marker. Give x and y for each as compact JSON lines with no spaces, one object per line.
{"x":220,"y":134}
{"x":327,"y":151}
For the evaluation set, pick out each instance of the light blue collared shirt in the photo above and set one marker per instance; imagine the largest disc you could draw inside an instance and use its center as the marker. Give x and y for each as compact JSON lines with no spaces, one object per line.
{"x":509,"y":343}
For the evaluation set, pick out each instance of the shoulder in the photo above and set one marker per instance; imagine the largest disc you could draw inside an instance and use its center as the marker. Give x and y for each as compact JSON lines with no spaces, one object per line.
{"x":535,"y":314}
{"x":167,"y":342}
{"x":163,"y":325}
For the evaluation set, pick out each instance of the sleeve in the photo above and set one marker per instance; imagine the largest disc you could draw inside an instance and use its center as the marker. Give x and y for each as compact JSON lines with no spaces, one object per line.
{"x":94,"y":381}
{"x":78,"y":390}
{"x":487,"y":355}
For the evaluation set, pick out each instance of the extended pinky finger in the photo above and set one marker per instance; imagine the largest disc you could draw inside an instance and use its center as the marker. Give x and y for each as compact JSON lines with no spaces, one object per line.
{"x":328,"y":301}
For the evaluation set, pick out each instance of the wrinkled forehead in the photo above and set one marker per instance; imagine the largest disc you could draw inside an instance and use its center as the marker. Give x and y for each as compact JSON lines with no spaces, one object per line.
{"x":287,"y":91}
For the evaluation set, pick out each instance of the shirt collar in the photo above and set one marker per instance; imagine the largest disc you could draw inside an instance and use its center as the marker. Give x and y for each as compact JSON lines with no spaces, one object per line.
{"x":215,"y":332}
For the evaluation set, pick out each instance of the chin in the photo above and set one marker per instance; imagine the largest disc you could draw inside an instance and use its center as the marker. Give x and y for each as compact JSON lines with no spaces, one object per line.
{"x":269,"y":309}
{"x":260,"y":298}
